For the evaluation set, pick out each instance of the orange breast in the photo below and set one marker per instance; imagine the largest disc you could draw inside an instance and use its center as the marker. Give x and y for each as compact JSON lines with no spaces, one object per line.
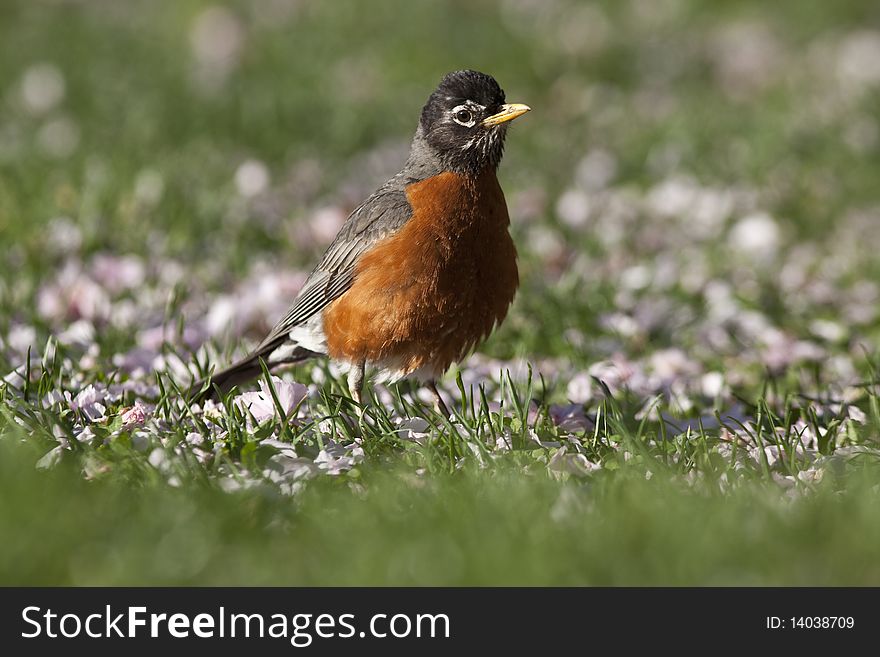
{"x":426,"y":295}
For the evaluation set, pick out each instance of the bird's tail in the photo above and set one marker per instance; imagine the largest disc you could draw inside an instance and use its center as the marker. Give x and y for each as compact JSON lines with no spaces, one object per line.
{"x":242,"y":371}
{"x":223,"y":381}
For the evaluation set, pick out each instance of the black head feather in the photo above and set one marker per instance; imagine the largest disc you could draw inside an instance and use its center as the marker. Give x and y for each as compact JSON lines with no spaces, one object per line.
{"x":450,"y":126}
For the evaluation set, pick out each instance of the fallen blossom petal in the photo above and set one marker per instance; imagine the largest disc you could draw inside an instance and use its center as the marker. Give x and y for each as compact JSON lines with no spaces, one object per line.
{"x":136,"y":416}
{"x":576,"y":464}
{"x":570,"y":417}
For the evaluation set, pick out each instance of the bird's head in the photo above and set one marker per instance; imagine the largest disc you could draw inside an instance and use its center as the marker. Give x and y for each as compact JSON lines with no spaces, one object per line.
{"x":465,"y":121}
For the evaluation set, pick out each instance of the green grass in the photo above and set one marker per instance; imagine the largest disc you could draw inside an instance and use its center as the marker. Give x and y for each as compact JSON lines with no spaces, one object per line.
{"x":635,"y":284}
{"x":474,"y":528}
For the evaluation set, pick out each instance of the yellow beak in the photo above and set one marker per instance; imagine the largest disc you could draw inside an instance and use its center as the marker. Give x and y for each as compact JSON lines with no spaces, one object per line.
{"x":507,"y":113}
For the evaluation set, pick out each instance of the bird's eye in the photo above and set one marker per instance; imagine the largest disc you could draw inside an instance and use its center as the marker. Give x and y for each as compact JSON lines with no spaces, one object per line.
{"x":464,"y":117}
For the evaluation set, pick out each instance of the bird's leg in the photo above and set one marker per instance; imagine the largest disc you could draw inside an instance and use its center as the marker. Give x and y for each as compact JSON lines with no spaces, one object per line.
{"x":438,"y":400}
{"x":356,"y":383}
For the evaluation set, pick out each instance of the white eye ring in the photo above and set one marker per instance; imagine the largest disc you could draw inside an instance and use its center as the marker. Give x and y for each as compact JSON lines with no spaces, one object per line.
{"x":464,"y":115}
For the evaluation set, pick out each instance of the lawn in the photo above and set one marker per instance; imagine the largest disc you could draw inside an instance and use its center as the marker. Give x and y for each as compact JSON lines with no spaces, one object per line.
{"x":685,"y":390}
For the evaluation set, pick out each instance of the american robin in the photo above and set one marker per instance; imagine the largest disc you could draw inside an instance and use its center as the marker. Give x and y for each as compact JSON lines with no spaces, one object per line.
{"x":421,"y":271}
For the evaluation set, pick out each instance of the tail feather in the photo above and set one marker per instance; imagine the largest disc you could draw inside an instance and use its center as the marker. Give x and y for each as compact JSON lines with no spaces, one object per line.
{"x":242,"y":371}
{"x":224,"y":380}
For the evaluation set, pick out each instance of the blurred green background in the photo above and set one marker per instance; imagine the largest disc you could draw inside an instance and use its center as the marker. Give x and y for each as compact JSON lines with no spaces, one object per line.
{"x":190,"y":88}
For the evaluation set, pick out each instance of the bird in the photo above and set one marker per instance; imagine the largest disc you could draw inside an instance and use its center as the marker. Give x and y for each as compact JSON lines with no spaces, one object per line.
{"x":422,"y":271}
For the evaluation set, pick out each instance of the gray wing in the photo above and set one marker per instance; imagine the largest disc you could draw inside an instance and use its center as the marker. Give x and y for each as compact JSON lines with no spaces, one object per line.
{"x":381,"y":215}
